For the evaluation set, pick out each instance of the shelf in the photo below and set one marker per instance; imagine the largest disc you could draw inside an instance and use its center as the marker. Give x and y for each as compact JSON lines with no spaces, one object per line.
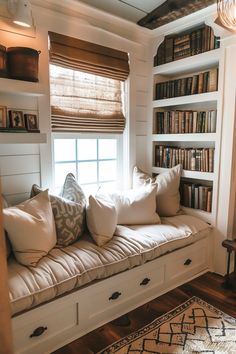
{"x":23,"y":138}
{"x":190,"y":99}
{"x":185,"y":137}
{"x":190,"y":64}
{"x":208,"y":176}
{"x":20,"y":87}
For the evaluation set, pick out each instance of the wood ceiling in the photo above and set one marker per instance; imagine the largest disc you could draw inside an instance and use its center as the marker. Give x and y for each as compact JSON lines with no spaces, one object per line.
{"x":171,"y":10}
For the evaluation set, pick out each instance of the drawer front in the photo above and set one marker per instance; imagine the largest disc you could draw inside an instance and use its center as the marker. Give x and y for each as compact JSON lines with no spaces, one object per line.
{"x":119,"y":292}
{"x":191,"y":261}
{"x":44,"y":327}
{"x":148,"y":279}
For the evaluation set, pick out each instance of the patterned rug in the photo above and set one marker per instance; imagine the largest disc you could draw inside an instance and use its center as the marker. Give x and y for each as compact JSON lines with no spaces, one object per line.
{"x":193,"y":327}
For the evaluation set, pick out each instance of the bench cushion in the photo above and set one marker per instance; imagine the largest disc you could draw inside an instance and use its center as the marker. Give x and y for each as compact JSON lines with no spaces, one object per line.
{"x":65,"y":269}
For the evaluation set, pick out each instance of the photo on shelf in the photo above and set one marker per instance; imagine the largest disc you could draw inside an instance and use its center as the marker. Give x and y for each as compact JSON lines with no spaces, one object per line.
{"x":16,"y":119}
{"x":31,"y":122}
{"x":3,"y":117}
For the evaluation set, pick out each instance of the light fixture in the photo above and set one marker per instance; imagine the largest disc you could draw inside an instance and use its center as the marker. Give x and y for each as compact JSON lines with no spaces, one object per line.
{"x":21,"y":12}
{"x":226,"y":10}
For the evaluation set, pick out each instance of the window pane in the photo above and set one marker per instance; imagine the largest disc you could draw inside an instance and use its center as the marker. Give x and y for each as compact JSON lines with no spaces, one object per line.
{"x":107,"y":148}
{"x":64,"y":150}
{"x":87,"y":172}
{"x":61,"y":170}
{"x":107,"y":171}
{"x":87,"y":149}
{"x":108,"y":186}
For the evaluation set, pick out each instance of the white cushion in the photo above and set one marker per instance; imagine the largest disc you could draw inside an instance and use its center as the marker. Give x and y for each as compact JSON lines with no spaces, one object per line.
{"x":101,"y":218}
{"x":136,"y":206}
{"x":168,"y":197}
{"x":31,"y":229}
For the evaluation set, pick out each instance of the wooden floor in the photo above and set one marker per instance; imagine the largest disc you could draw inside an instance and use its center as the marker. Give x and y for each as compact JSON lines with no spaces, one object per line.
{"x":208,"y":287}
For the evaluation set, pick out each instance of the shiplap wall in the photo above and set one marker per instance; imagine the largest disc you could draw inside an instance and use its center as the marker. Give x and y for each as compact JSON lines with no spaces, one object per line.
{"x":142,"y":78}
{"x":19,"y":163}
{"x":20,"y":168}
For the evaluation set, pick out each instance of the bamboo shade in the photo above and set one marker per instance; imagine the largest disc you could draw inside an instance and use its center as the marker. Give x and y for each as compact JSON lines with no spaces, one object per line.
{"x":86,"y":86}
{"x":81,"y":55}
{"x":82,"y":102}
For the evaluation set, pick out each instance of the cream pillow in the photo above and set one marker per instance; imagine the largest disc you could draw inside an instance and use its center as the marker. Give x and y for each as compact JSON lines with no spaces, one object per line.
{"x":31,"y":229}
{"x":136,"y":206}
{"x":168,"y":196}
{"x":101,"y":218}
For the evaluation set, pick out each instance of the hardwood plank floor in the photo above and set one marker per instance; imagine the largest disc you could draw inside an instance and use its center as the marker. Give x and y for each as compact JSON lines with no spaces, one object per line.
{"x":208,"y":287}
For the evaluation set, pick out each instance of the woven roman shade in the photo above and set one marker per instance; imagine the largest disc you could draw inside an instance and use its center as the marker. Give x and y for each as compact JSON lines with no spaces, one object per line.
{"x":81,"y":55}
{"x":86,"y":86}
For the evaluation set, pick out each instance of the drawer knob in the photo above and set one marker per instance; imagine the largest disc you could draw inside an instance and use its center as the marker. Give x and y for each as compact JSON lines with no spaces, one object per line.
{"x":145,"y":281}
{"x":38,"y":332}
{"x":188,"y":261}
{"x":115,"y":295}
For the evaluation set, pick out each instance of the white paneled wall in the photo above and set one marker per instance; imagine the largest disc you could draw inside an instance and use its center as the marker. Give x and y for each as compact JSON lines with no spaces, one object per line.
{"x":19,"y":169}
{"x":141,"y":86}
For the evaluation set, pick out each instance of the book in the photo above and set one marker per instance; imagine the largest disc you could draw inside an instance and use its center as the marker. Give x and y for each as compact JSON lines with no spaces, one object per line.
{"x":213,"y":80}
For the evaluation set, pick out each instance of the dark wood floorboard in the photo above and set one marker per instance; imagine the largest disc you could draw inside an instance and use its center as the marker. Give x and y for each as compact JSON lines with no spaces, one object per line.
{"x":208,"y":287}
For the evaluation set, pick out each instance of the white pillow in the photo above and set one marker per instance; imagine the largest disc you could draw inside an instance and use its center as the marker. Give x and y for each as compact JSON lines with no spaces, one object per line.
{"x":101,"y":218}
{"x":31,"y":228}
{"x":136,"y":206}
{"x":168,"y":196}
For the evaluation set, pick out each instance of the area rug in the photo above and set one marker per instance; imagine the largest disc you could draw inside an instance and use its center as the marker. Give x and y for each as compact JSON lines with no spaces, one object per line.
{"x":193,"y":327}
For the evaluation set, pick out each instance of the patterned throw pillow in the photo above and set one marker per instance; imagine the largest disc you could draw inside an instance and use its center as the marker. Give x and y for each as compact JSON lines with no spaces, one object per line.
{"x":69,"y":215}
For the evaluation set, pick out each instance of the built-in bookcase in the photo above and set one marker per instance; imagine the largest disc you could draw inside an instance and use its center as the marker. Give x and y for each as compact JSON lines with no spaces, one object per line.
{"x":186,"y":120}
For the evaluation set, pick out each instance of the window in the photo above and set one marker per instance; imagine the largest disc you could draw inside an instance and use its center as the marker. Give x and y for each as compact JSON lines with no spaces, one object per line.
{"x":94,"y":161}
{"x":87,"y":111}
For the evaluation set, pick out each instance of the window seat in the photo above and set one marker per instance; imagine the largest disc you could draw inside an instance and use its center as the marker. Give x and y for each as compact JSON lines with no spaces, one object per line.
{"x":66,"y":269}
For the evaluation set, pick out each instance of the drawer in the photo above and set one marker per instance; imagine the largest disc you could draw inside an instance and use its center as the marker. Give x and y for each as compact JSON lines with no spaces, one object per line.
{"x":190,"y":260}
{"x":126,"y":289}
{"x":151,"y":277}
{"x":42,"y":325}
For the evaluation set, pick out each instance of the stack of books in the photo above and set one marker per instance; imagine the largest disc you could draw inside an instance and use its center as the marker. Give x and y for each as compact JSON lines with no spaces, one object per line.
{"x":203,"y":82}
{"x":193,"y":159}
{"x":196,"y":196}
{"x":181,"y":122}
{"x":180,"y":46}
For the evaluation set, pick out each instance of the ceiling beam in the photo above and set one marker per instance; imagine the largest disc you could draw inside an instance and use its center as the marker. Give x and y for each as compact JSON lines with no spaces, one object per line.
{"x":171,"y":10}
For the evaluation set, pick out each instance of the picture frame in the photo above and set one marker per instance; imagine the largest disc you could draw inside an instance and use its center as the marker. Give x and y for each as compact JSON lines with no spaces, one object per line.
{"x":16,"y":119}
{"x":31,"y":122}
{"x":3,"y":117}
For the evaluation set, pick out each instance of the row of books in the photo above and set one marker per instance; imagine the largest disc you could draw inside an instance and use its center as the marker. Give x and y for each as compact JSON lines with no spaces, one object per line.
{"x":193,"y":159}
{"x":175,"y":47}
{"x":203,"y":82}
{"x":196,"y":196}
{"x":180,"y":122}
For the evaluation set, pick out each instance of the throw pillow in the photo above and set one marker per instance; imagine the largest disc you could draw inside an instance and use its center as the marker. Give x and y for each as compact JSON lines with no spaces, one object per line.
{"x":168,"y":197}
{"x":101,"y":218}
{"x":7,"y":242}
{"x":69,"y":220}
{"x":136,"y":206}
{"x":31,"y":229}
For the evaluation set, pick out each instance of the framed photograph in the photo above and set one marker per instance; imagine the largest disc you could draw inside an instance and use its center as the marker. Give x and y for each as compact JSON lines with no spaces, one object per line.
{"x":16,"y":119}
{"x":31,"y":122}
{"x":3,"y":117}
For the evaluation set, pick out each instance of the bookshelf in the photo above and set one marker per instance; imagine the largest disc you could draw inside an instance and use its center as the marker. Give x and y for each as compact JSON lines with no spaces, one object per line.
{"x":173,"y":139}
